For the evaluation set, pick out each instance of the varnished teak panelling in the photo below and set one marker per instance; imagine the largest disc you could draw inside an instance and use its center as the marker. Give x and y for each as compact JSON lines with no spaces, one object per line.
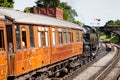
{"x":27,"y":60}
{"x":3,"y":66}
{"x":78,"y":48}
{"x":3,"y":53}
{"x":61,"y":52}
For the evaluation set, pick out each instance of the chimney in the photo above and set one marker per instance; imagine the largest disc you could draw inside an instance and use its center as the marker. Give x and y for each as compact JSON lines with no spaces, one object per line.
{"x":52,"y":12}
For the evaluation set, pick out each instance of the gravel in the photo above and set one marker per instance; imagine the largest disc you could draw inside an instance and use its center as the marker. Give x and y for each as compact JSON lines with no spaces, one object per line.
{"x":93,"y":69}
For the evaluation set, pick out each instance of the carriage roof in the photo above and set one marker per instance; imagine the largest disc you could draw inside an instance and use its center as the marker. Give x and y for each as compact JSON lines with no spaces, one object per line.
{"x":30,"y":18}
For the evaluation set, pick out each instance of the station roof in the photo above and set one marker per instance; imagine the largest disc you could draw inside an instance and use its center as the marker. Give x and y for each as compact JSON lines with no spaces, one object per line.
{"x":29,"y":18}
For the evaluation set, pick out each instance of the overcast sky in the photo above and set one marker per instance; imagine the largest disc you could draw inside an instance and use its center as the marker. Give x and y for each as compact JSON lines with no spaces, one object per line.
{"x":87,"y":10}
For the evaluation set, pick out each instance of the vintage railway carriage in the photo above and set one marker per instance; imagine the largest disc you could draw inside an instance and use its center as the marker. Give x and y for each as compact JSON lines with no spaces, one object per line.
{"x":31,"y":44}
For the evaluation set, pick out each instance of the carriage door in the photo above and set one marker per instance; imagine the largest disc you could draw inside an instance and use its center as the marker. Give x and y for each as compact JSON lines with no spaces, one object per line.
{"x":9,"y":35}
{"x":43,"y":41}
{"x":9,"y":38}
{"x":3,"y":54}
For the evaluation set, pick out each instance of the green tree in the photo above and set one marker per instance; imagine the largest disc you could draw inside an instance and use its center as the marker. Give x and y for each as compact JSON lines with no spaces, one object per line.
{"x":113,"y":23}
{"x":112,"y":37}
{"x":117,"y":22}
{"x":7,"y":3}
{"x":78,"y":22}
{"x":27,"y":10}
{"x":48,"y":3}
{"x":69,"y":13}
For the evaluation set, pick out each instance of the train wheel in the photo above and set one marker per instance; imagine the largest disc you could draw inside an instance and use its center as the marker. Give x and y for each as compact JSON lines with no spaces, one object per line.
{"x":57,"y":74}
{"x":42,"y":76}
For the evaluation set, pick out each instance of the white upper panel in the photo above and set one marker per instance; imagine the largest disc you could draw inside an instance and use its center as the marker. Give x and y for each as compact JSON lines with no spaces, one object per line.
{"x":29,"y":18}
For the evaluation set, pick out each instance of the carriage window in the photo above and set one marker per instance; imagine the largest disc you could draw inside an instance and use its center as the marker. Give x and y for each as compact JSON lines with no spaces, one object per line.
{"x":60,"y":36}
{"x":9,"y":38}
{"x":80,"y":36}
{"x":18,"y":37}
{"x":24,"y":41}
{"x":31,"y":36}
{"x":77,"y":36}
{"x":46,"y":37}
{"x":43,"y":36}
{"x":53,"y":36}
{"x":1,"y":40}
{"x":65,"y":36}
{"x":69,"y":37}
{"x":39,"y":38}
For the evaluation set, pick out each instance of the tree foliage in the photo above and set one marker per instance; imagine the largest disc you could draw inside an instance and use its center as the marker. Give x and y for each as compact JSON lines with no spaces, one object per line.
{"x":68,"y":12}
{"x":112,"y":37}
{"x":7,"y":3}
{"x":27,"y":10}
{"x":48,"y":3}
{"x":113,"y":23}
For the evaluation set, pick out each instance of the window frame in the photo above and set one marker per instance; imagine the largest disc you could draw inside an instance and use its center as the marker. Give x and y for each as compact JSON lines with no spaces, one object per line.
{"x":53,"y":38}
{"x":3,"y":45}
{"x":23,"y":28}
{"x":65,"y":32}
{"x":60,"y":31}
{"x":81,"y":36}
{"x":32,"y":42}
{"x":18,"y":44}
{"x":77,"y":37}
{"x":71,"y":36}
{"x":46,"y":36}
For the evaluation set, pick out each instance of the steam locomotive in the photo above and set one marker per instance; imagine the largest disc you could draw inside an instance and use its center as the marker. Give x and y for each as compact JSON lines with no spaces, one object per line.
{"x":91,"y":41}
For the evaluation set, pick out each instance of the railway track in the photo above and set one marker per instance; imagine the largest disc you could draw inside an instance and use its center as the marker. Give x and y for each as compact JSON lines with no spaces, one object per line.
{"x":103,"y":72}
{"x":77,"y":71}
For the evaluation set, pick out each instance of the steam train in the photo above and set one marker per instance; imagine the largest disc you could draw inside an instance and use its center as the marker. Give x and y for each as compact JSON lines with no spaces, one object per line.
{"x":91,"y":41}
{"x":33,"y":47}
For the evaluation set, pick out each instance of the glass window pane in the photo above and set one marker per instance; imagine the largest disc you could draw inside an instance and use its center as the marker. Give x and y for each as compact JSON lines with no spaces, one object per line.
{"x":65,"y":37}
{"x":24,"y":41}
{"x":31,"y":36}
{"x":18,"y":37}
{"x":9,"y":38}
{"x":60,"y":37}
{"x":1,"y":39}
{"x":46,"y":38}
{"x":69,"y":37}
{"x":39,"y":39}
{"x":53,"y":38}
{"x":77,"y":36}
{"x":43,"y":38}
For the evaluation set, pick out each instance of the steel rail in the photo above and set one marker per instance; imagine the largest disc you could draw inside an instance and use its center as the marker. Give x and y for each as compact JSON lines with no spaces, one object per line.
{"x":106,"y":69}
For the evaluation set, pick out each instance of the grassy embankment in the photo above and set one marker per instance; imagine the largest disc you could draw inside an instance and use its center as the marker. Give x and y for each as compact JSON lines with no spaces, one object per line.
{"x":110,"y":37}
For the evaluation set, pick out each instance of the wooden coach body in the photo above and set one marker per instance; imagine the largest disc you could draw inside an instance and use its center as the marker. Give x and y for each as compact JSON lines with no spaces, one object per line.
{"x":3,"y":49}
{"x":34,"y":41}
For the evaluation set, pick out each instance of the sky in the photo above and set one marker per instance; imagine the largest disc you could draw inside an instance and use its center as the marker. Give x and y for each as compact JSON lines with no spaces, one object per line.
{"x":87,"y":10}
